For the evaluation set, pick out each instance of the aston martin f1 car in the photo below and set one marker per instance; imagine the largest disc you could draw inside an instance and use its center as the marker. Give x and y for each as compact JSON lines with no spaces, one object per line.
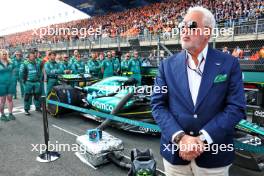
{"x":103,"y":96}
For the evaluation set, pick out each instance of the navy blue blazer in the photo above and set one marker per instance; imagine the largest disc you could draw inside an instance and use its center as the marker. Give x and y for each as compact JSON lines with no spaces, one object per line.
{"x":220,"y":105}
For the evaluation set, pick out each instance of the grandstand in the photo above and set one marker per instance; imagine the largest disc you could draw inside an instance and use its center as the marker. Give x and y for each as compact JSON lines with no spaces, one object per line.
{"x":149,"y":24}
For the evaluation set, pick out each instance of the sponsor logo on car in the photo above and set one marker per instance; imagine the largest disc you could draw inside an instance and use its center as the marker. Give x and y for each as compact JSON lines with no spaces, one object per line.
{"x":102,"y":106}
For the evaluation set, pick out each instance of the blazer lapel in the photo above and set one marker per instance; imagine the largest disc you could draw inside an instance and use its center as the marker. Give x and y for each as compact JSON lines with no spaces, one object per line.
{"x":211,"y":68}
{"x":181,"y":79}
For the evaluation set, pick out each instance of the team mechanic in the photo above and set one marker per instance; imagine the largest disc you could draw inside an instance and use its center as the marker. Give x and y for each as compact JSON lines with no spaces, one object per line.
{"x":17,"y":61}
{"x":204,"y":101}
{"x":30,"y":74}
{"x":52,"y":70}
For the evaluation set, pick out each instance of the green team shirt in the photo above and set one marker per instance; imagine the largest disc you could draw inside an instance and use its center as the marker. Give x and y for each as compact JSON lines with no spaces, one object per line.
{"x":108,"y":67}
{"x":30,"y":71}
{"x":17,"y":64}
{"x":116,"y":64}
{"x":78,"y":67}
{"x":134,"y":66}
{"x":94,"y":67}
{"x":6,"y":72}
{"x":72,"y":60}
{"x":64,"y":65}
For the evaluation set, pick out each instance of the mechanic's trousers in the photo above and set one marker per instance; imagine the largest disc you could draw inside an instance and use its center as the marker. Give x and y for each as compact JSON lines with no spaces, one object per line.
{"x":50,"y":84}
{"x":138,"y":78}
{"x":32,"y":89}
{"x":21,"y":85}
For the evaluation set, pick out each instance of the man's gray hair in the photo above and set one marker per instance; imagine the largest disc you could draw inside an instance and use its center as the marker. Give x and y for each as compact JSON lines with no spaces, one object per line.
{"x":208,"y":17}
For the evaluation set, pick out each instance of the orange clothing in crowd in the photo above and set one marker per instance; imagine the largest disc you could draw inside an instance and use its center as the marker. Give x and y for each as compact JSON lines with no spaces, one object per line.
{"x":255,"y":57}
{"x":261,"y":53}
{"x":44,"y":60}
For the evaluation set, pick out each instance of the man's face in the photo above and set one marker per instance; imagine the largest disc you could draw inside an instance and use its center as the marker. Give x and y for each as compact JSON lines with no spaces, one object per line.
{"x":52,"y":57}
{"x":93,"y":56}
{"x":127,"y":56}
{"x":38,"y":55}
{"x":75,"y":53}
{"x":78,"y":57}
{"x":113,"y":54}
{"x":18,"y":55}
{"x":135,"y":55}
{"x":65,"y":58}
{"x":31,"y":57}
{"x":192,"y":37}
{"x":109,"y":55}
{"x":101,"y":56}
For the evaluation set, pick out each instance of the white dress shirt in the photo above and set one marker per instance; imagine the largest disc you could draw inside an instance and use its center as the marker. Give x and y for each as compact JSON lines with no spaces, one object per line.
{"x":195,"y":78}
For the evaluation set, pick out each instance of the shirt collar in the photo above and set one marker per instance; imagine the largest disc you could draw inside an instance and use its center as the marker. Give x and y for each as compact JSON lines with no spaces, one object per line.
{"x":201,"y":55}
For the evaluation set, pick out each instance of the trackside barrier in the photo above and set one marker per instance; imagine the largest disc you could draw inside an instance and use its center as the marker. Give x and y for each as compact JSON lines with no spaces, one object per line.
{"x":106,"y":116}
{"x":238,"y":145}
{"x":47,"y":156}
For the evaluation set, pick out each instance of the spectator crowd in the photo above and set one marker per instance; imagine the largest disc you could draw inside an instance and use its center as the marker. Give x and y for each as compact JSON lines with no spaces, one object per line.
{"x":246,"y":53}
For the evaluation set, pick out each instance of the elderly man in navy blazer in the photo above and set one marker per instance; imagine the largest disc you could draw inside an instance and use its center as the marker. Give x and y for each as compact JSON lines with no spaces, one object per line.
{"x":203,"y":102}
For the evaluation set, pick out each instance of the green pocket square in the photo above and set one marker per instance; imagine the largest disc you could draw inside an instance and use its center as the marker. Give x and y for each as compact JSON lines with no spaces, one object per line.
{"x":220,"y":78}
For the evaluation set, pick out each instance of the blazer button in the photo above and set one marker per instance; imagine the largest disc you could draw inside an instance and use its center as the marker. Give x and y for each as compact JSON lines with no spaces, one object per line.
{"x":195,"y":116}
{"x":191,"y":133}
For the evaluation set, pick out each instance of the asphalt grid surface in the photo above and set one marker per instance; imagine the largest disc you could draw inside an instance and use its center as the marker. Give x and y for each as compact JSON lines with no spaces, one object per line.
{"x":17,"y":137}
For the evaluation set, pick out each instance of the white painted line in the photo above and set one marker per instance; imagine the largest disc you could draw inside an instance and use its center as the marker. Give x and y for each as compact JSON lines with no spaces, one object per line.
{"x":18,"y":113}
{"x":161,"y":171}
{"x":84,"y":160}
{"x":19,"y":108}
{"x":71,"y":133}
{"x":7,"y":112}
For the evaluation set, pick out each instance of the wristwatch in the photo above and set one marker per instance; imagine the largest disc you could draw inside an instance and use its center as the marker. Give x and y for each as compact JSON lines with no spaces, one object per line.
{"x":202,"y":138}
{"x":178,"y":137}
